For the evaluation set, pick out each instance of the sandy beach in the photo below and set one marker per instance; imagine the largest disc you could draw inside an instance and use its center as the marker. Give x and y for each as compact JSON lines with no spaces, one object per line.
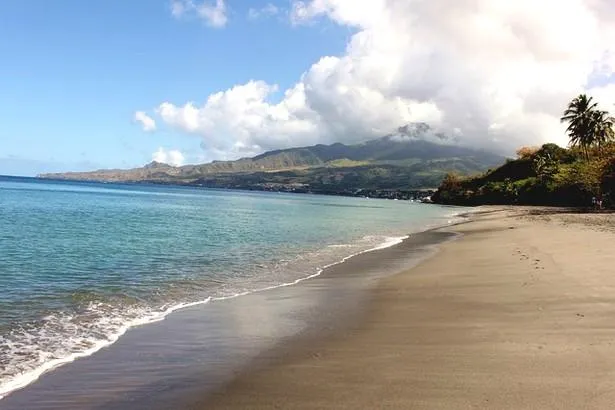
{"x":517,"y":314}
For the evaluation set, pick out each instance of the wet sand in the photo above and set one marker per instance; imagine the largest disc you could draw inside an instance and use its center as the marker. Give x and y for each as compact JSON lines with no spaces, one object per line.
{"x":517,"y":314}
{"x":199,"y":349}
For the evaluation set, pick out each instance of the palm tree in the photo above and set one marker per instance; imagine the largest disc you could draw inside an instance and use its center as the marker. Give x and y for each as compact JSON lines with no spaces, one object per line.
{"x":581,"y":118}
{"x":603,"y":127}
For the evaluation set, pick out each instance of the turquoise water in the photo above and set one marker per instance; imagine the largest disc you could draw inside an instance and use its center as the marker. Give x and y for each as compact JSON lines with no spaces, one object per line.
{"x":80,"y":263}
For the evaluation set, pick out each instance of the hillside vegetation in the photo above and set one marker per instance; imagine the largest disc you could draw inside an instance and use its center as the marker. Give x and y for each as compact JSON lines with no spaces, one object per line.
{"x":403,"y":161}
{"x":579,"y":175}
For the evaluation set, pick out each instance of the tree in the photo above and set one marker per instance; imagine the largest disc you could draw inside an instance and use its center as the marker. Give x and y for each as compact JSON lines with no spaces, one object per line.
{"x":579,"y":116}
{"x":545,"y":167}
{"x":607,"y":182}
{"x":603,"y":128}
{"x":587,"y":126}
{"x":450,"y":191}
{"x":556,"y":153}
{"x":526,"y":152}
{"x":451,"y":182}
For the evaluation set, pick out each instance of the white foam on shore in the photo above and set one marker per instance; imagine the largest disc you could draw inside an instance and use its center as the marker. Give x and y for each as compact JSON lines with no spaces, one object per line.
{"x":22,"y":380}
{"x":31,"y":375}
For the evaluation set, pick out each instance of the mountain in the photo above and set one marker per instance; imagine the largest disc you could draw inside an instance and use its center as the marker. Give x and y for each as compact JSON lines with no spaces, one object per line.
{"x":413,"y":157}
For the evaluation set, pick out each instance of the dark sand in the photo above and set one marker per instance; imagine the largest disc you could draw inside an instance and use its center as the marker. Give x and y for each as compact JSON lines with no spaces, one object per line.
{"x":199,"y":349}
{"x":518,"y":314}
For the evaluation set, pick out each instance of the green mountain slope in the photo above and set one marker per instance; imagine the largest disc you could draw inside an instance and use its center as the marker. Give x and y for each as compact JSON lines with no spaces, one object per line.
{"x":401,"y":161}
{"x":549,"y":175}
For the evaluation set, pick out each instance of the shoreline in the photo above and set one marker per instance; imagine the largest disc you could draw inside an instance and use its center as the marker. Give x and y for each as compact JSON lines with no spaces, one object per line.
{"x":515,"y":314}
{"x":413,"y":195}
{"x":47,"y":367}
{"x":49,"y":373}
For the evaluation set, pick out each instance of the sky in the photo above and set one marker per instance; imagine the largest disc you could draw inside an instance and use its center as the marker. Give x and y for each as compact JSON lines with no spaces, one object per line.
{"x":116,"y":84}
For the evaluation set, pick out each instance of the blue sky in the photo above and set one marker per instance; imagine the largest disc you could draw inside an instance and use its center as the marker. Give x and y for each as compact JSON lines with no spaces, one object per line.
{"x":73,"y":75}
{"x":221,"y":79}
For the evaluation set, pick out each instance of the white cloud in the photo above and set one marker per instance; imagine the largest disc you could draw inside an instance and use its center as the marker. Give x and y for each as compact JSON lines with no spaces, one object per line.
{"x":171,"y":157}
{"x":495,"y":73}
{"x":269,"y":10}
{"x":344,"y":12}
{"x":147,"y":122}
{"x":178,"y":8}
{"x":213,"y":13}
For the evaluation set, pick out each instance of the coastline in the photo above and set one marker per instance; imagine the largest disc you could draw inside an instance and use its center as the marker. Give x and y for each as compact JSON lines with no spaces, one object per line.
{"x":362,"y":268}
{"x":515,"y":314}
{"x":413,"y":195}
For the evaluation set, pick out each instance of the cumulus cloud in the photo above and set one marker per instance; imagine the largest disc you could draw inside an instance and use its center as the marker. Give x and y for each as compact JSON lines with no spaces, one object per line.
{"x":494,"y":73}
{"x":344,"y":12}
{"x":213,"y":13}
{"x":147,"y":123}
{"x":171,"y":157}
{"x":269,"y":10}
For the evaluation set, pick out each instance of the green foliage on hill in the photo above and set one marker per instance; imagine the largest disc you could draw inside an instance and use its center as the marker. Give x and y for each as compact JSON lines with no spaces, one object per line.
{"x":345,"y":178}
{"x":396,"y":162}
{"x":550,"y":175}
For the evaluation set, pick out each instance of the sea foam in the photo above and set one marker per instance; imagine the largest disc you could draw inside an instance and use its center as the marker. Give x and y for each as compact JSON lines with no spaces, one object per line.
{"x":79,"y":343}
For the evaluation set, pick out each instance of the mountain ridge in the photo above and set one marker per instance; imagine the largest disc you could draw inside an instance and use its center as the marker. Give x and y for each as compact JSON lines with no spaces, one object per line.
{"x":374,"y":163}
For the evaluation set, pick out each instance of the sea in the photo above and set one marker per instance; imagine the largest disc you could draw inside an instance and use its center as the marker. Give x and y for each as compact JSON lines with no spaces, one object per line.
{"x":82,"y":263}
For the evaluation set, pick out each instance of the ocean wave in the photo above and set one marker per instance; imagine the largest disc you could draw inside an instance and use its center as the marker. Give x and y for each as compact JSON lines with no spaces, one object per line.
{"x":31,"y":350}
